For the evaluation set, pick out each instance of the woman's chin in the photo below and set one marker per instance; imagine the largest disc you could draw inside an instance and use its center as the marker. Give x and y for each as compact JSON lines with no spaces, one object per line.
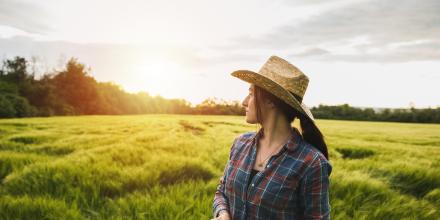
{"x":250,"y":121}
{"x":247,"y":120}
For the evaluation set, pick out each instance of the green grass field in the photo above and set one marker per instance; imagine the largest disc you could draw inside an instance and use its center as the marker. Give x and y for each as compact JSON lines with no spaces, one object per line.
{"x":168,"y":166}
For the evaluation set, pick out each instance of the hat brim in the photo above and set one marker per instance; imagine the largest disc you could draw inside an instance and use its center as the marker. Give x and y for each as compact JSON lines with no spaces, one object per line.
{"x":274,"y":88}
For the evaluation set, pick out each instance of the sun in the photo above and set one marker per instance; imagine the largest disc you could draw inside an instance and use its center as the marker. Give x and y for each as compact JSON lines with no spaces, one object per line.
{"x":157,"y":77}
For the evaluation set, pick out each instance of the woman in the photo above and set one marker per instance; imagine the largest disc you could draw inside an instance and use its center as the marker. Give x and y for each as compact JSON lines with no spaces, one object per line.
{"x":277,"y":172}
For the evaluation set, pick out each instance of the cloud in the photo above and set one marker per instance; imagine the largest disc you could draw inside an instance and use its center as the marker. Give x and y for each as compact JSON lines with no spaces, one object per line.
{"x":405,"y":53}
{"x":311,"y":52}
{"x":24,"y":15}
{"x":382,"y":23}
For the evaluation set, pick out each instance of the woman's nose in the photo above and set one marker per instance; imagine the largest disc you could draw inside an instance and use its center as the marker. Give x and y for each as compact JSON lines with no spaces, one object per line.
{"x":244,"y":103}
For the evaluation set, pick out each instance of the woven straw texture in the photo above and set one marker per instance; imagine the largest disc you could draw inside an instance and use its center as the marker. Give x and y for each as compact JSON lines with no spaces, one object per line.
{"x":279,"y":77}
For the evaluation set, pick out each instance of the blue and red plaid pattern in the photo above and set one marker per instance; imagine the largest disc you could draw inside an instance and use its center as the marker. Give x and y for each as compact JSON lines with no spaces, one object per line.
{"x":293,"y":185}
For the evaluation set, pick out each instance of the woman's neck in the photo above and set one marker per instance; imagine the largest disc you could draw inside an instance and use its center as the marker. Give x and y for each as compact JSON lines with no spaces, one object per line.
{"x":276,"y":130}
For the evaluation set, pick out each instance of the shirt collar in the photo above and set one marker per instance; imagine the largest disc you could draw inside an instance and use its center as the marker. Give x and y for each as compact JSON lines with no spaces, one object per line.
{"x":295,"y":140}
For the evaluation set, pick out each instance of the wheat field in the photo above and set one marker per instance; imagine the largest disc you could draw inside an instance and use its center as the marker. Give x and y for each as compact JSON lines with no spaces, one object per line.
{"x":168,"y":166}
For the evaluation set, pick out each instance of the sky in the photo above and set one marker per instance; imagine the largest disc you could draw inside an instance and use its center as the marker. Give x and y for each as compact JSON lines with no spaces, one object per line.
{"x":366,"y":53}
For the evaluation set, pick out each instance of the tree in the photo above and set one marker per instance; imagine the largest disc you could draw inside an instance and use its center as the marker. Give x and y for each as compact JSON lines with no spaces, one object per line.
{"x":77,"y":88}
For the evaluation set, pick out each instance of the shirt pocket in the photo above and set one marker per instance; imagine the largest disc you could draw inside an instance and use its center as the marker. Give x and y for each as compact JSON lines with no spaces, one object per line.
{"x":280,"y":191}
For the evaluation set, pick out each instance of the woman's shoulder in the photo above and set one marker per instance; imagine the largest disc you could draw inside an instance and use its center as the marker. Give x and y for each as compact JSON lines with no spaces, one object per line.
{"x":241,"y":141}
{"x":247,"y":135}
{"x":244,"y":137}
{"x":315,"y":158}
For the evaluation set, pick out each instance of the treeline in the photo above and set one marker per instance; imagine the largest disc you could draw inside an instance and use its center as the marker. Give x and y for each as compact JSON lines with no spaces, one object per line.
{"x":346,"y":112}
{"x":72,"y":91}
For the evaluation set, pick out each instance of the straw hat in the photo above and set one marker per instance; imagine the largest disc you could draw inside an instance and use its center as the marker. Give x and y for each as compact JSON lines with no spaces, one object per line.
{"x":283,"y":80}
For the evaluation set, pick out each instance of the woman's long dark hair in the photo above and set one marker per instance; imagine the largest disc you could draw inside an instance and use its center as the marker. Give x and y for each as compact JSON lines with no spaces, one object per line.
{"x":309,"y":130}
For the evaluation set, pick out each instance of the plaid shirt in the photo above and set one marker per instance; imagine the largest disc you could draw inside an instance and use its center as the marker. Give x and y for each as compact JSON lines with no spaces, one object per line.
{"x":293,"y":185}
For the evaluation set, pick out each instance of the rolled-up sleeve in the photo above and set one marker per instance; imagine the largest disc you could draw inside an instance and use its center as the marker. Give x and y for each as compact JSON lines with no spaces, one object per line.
{"x":315,"y":190}
{"x":220,"y":200}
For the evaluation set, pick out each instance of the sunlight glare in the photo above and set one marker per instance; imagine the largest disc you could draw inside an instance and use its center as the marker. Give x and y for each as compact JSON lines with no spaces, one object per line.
{"x":158,"y":76}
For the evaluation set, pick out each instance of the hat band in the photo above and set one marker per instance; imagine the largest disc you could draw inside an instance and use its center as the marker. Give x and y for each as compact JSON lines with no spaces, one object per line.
{"x":297,"y":97}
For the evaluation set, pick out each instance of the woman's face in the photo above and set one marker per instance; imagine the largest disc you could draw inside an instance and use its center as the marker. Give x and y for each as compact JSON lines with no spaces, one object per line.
{"x":249,"y":104}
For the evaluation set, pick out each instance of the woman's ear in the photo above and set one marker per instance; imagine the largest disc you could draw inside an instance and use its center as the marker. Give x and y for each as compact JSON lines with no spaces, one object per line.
{"x":269,"y":104}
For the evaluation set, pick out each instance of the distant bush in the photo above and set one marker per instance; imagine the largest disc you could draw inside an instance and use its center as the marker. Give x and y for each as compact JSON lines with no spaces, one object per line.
{"x":15,"y":106}
{"x":346,"y":112}
{"x":7,"y":109}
